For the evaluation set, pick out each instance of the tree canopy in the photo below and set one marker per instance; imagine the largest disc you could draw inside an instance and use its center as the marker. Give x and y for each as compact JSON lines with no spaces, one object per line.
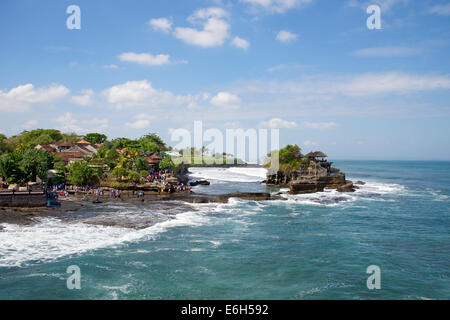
{"x":95,"y":138}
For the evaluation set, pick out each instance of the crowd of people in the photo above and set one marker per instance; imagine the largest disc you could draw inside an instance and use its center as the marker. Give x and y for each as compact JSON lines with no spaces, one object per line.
{"x":160,"y":178}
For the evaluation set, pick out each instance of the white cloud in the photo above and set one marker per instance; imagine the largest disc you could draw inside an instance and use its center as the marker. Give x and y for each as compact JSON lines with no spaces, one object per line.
{"x":443,"y":10}
{"x":214,"y":32}
{"x":286,"y":36}
{"x":145,"y":58}
{"x":385,"y":5}
{"x":320,"y":125}
{"x":110,"y":66}
{"x":310,"y":143}
{"x":29,"y":124}
{"x":276,"y":6}
{"x":138,"y":124}
{"x":141,"y":94}
{"x":226,"y":100}
{"x":161,"y":24}
{"x":387,"y":52}
{"x":23,"y":96}
{"x":68,"y":123}
{"x":240,"y":43}
{"x":277,"y":123}
{"x":85,"y":99}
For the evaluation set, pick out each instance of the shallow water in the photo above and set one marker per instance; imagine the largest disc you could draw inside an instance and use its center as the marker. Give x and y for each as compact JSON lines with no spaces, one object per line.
{"x":308,"y":247}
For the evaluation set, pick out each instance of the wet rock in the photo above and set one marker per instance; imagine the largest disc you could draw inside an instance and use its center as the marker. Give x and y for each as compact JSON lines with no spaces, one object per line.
{"x":360,"y":183}
{"x":199,"y":183}
{"x":347,"y":188}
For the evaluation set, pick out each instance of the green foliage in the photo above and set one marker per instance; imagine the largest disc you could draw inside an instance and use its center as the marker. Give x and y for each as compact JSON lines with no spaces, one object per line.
{"x":143,"y":173}
{"x":141,"y":164}
{"x":289,"y":158}
{"x":95,"y":138}
{"x":36,"y":163}
{"x":134,"y":176}
{"x":152,"y":143}
{"x":119,"y":173}
{"x":10,"y":167}
{"x":166,"y":163}
{"x":80,"y":174}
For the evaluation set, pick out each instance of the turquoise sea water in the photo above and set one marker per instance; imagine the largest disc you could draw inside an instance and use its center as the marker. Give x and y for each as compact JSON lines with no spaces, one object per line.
{"x":307,"y":247}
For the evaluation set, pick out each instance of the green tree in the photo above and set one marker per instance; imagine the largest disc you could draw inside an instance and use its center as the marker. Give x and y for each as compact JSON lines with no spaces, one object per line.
{"x":95,"y":138}
{"x":79,"y":173}
{"x":134,"y":176}
{"x":36,"y":163}
{"x":141,"y":164}
{"x":166,"y":163}
{"x":10,"y":167}
{"x":119,"y":173}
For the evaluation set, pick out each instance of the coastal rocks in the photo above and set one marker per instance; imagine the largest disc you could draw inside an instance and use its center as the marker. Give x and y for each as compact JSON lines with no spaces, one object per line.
{"x":199,"y":183}
{"x":248,"y":196}
{"x":347,"y":188}
{"x":301,"y":187}
{"x":360,"y":183}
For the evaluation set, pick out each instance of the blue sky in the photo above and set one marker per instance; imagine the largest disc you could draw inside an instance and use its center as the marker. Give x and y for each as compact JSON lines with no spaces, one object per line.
{"x":310,"y":68}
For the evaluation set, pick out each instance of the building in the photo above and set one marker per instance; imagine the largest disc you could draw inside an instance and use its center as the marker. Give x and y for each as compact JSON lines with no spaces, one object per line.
{"x":70,"y":151}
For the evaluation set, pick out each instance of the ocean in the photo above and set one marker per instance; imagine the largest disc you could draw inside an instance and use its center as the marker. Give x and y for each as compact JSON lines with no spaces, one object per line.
{"x":315,"y":246}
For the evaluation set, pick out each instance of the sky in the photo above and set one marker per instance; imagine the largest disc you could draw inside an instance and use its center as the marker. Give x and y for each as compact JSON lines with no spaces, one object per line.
{"x":310,"y":68}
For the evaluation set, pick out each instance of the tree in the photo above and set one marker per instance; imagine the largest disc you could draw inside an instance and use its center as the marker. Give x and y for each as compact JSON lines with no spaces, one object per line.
{"x":166,"y":163}
{"x":134,"y":176}
{"x":36,"y":163}
{"x":10,"y":167}
{"x":141,"y":164}
{"x":79,"y":173}
{"x":119,"y":173}
{"x":95,"y":138}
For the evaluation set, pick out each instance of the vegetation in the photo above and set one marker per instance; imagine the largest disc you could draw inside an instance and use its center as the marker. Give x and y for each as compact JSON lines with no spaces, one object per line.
{"x":119,"y":162}
{"x":79,"y":173}
{"x":289,"y":159}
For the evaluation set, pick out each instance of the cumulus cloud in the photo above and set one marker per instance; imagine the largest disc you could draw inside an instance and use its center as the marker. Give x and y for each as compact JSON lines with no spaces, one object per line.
{"x":286,"y":36}
{"x":141,"y":94}
{"x":214,"y":29}
{"x":161,"y":24}
{"x":67,"y":122}
{"x":22,"y":97}
{"x":226,"y":100}
{"x":138,"y":124}
{"x":240,"y":43}
{"x":145,"y":58}
{"x":277,"y":123}
{"x":276,"y":6}
{"x":387,"y":52}
{"x":85,"y":99}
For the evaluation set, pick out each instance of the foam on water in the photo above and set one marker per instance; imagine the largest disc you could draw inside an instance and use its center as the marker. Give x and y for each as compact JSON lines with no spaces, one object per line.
{"x":52,"y":238}
{"x":370,"y":191}
{"x":229,"y":174}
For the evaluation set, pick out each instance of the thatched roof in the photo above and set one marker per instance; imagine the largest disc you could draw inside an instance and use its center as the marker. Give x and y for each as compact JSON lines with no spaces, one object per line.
{"x":317,"y":154}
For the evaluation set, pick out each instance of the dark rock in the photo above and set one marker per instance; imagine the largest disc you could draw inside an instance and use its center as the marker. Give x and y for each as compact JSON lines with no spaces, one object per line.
{"x":361,"y":183}
{"x":200,"y":182}
{"x":346,"y":188}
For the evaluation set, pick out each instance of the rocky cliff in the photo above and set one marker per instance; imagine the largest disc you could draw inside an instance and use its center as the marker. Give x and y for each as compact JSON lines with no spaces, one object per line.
{"x":314,"y":176}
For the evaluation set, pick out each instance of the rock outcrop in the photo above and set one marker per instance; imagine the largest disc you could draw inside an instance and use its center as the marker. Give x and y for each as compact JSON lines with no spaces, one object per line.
{"x":311,"y":177}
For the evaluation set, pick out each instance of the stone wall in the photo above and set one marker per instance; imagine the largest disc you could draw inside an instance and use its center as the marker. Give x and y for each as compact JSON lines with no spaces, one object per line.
{"x":23,"y":200}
